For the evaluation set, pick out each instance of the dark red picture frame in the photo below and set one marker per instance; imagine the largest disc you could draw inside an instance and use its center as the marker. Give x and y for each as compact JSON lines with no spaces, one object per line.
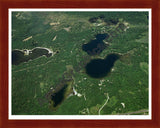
{"x":4,"y":54}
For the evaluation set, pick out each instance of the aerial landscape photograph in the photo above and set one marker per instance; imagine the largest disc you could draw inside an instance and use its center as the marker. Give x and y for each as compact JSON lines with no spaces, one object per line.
{"x":79,"y":62}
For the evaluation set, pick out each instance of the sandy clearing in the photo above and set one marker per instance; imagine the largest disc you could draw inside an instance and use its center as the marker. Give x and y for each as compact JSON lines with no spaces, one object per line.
{"x":54,"y":38}
{"x":18,"y":14}
{"x":27,"y":38}
{"x":67,"y":29}
{"x":54,"y":23}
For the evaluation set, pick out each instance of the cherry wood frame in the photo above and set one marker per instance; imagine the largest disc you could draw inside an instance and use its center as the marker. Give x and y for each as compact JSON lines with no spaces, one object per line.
{"x":6,"y":4}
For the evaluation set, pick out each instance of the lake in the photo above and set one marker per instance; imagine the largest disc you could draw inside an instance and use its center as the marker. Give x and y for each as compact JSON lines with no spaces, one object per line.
{"x":95,"y":47}
{"x":99,"y":68}
{"x":20,"y":56}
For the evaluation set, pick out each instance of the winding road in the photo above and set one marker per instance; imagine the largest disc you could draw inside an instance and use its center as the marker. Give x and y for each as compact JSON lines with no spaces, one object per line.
{"x":99,"y":112}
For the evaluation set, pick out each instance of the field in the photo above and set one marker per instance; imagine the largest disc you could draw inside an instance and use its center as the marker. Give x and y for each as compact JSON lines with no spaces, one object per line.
{"x":59,"y":84}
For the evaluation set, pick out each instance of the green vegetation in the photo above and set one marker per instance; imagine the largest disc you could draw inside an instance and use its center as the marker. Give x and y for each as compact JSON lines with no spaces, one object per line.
{"x":66,"y":32}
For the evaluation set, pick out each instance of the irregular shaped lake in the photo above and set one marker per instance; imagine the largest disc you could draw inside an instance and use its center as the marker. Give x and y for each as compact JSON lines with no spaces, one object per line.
{"x":58,"y":97}
{"x":99,"y":68}
{"x":95,"y":47}
{"x":20,"y":56}
{"x":60,"y":93}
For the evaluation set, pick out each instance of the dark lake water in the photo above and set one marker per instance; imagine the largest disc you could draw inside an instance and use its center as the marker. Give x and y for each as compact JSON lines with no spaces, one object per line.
{"x":111,"y":21}
{"x":20,"y":57}
{"x":99,"y":68}
{"x":58,"y":97}
{"x":94,"y":19}
{"x":95,"y":47}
